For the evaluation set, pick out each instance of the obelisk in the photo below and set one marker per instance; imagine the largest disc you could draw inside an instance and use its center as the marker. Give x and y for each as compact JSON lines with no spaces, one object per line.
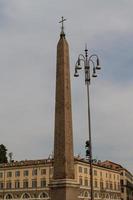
{"x":63,"y":185}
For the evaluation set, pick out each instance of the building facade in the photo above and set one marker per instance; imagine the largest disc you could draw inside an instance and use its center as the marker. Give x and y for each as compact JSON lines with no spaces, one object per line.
{"x":106,"y":181}
{"x":31,"y":179}
{"x":126,"y":180}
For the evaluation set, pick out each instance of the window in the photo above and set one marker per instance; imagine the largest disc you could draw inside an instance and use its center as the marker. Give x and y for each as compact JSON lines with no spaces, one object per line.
{"x":122,"y":182}
{"x":25,"y":184}
{"x":26,"y":172}
{"x":95,"y":183}
{"x":1,"y":174}
{"x":17,"y":173}
{"x":44,"y":195}
{"x":115,"y":186}
{"x":8,"y":196}
{"x":114,"y":176}
{"x":101,"y":185}
{"x":43,"y":183}
{"x":122,"y":173}
{"x":9,"y":185}
{"x":34,"y":172}
{"x":96,"y":195}
{"x":95,"y":172}
{"x":1,"y":185}
{"x":43,"y":171}
{"x":111,"y":186}
{"x":122,"y":190}
{"x":85,"y":170}
{"x":80,"y":169}
{"x":34,"y":183}
{"x":107,"y":185}
{"x":17,"y":184}
{"x":110,"y":176}
{"x":100,"y":195}
{"x":9,"y":174}
{"x":86,"y":194}
{"x":80,"y":181}
{"x":101,"y":174}
{"x":86,"y":182}
{"x":26,"y":196}
{"x":106,"y":175}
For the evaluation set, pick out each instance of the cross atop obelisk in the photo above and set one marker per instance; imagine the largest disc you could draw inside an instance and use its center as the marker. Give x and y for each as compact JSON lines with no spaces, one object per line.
{"x":63,"y":186}
{"x":62,"y":26}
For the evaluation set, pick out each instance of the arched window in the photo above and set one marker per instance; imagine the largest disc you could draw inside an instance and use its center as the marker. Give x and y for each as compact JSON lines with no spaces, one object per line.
{"x":25,"y":196}
{"x":96,"y":195}
{"x":44,"y":195}
{"x":9,"y":196}
{"x":86,"y":194}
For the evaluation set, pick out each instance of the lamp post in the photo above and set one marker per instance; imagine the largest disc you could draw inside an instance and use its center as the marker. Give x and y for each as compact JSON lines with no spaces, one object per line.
{"x":89,"y":62}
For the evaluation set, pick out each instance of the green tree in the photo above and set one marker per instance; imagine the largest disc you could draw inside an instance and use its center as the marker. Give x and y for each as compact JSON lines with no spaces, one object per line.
{"x":3,"y":154}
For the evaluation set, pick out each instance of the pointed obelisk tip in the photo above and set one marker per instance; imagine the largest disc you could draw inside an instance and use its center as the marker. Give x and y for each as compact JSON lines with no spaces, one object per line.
{"x":62,"y":34}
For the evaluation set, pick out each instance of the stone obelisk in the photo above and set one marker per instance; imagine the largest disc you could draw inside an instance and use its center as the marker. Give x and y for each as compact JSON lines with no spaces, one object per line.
{"x":63,"y":185}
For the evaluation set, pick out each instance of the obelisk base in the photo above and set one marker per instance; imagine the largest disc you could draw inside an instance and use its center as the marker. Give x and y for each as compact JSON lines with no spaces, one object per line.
{"x":64,"y":189}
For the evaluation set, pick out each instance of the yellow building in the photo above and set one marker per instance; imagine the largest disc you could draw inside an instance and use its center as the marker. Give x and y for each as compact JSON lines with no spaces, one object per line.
{"x":126,"y":181}
{"x":106,"y":181}
{"x":30,"y":179}
{"x":25,"y":179}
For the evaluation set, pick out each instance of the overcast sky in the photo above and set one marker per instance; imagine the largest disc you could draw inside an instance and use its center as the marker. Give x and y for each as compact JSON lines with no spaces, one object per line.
{"x":29,"y":32}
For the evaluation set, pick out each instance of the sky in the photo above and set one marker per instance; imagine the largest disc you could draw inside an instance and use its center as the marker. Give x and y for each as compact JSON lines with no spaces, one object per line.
{"x":29,"y":33}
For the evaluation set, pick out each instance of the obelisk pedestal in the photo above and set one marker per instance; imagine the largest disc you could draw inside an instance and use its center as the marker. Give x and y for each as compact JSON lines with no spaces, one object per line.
{"x":66,"y":189}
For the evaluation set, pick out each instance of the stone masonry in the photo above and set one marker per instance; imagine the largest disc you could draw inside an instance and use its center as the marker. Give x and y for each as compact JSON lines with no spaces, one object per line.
{"x":63,"y":185}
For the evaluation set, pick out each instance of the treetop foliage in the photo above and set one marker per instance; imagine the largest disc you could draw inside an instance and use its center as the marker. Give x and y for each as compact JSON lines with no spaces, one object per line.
{"x":3,"y":154}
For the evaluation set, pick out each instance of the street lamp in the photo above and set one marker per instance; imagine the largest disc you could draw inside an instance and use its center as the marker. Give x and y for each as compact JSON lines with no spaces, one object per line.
{"x":89,"y":62}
